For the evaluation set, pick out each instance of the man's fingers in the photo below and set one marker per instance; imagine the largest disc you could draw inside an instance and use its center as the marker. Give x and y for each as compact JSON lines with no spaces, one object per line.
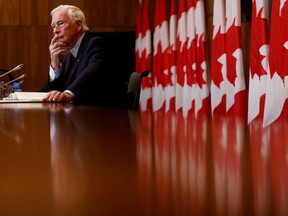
{"x":59,"y":51}
{"x":52,"y":96}
{"x":56,"y":96}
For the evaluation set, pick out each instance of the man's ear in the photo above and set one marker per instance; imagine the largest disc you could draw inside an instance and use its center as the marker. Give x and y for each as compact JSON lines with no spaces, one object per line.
{"x":79,"y":25}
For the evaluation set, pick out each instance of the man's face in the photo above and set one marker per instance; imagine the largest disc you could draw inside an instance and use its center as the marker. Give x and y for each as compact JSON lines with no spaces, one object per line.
{"x":66,"y":30}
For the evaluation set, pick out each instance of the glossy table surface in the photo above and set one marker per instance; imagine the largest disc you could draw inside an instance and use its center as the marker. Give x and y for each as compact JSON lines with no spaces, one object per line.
{"x":60,"y":159}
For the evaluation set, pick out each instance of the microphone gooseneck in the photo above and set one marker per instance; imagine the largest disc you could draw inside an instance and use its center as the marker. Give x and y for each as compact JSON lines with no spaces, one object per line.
{"x":18,"y":78}
{"x":18,"y":67}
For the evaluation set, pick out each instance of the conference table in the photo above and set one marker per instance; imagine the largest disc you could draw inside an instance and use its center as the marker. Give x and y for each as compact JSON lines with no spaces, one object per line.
{"x":64,"y":159}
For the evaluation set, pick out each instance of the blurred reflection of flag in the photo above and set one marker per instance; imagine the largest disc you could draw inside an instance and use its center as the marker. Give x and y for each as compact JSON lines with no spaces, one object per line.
{"x":235,"y":144}
{"x":259,"y":139}
{"x":197,"y":138}
{"x":219,"y":146}
{"x":279,"y":166}
{"x":171,"y":155}
{"x":227,"y":142}
{"x":164,"y":135}
{"x":188,"y":166}
{"x":182,"y":162}
{"x":145,"y":158}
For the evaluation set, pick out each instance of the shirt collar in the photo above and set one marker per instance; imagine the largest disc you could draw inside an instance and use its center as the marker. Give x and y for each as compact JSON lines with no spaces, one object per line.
{"x":74,"y":50}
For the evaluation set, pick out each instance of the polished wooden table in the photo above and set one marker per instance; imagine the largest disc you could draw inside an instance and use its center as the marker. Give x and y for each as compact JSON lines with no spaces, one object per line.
{"x":58,"y":159}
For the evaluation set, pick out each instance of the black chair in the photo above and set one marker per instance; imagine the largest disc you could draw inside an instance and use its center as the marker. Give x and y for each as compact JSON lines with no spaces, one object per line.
{"x":134,"y":87}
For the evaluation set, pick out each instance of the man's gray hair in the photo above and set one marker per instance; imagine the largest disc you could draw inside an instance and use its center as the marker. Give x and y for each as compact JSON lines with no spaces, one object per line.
{"x":74,"y":13}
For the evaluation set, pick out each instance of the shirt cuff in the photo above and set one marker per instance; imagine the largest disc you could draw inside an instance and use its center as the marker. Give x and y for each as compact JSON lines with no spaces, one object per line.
{"x":69,"y":92}
{"x":54,"y":74}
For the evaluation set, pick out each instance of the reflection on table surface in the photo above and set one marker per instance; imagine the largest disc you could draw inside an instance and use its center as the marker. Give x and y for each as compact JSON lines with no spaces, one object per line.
{"x":58,"y":159}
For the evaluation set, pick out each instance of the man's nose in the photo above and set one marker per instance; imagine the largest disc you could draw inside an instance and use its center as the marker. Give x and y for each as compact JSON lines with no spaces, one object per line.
{"x":56,"y":30}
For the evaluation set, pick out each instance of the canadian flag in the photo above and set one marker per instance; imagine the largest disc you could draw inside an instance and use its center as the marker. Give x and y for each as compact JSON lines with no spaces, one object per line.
{"x":181,"y":53}
{"x":160,"y":54}
{"x":218,"y":60}
{"x":170,"y":78}
{"x":258,"y":59}
{"x":146,"y":52}
{"x":138,"y":40}
{"x":235,"y":89}
{"x":202,"y":101}
{"x":190,"y":85}
{"x":276,"y":90}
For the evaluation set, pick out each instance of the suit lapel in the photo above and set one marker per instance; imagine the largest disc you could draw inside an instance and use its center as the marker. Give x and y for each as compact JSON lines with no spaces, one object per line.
{"x":81,"y":52}
{"x":71,"y":71}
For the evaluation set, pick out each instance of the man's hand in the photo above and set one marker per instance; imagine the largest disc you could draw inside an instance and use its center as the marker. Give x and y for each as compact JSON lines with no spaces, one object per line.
{"x":58,"y":50}
{"x":58,"y":97}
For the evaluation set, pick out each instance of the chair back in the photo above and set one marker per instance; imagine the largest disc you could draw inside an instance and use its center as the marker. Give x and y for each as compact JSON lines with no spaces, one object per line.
{"x":134,"y":87}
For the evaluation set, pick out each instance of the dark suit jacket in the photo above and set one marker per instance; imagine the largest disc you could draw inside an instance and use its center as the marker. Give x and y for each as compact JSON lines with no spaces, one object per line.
{"x":95,"y":79}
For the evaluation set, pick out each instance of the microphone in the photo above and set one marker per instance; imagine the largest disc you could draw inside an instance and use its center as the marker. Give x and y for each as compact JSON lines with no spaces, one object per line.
{"x":18,"y":78}
{"x":18,"y":67}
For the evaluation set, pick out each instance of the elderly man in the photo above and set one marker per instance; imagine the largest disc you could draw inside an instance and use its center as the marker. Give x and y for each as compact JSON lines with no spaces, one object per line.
{"x":81,"y":65}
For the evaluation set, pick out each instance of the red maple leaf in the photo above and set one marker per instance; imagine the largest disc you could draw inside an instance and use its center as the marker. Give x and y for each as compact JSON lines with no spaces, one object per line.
{"x":169,"y":61}
{"x":278,"y":55}
{"x":191,"y":64}
{"x":259,"y":37}
{"x":200,"y":60}
{"x":218,"y":49}
{"x":232,"y":44}
{"x":181,"y":61}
